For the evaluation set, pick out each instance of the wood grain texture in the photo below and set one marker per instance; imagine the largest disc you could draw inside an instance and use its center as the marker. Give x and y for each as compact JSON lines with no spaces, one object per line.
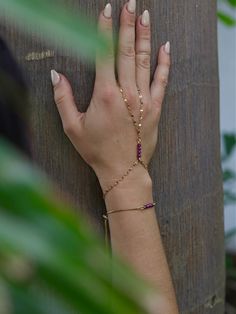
{"x":186,"y":168}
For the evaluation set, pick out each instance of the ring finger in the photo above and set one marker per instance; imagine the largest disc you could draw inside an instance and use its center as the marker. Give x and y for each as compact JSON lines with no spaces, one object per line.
{"x":143,"y":51}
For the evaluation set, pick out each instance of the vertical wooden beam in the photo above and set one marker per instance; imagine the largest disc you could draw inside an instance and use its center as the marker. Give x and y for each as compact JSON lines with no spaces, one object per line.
{"x":186,"y":168}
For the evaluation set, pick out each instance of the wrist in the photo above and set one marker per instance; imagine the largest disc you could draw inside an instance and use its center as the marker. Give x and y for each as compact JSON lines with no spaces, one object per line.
{"x":138,"y":175}
{"x":133,"y":190}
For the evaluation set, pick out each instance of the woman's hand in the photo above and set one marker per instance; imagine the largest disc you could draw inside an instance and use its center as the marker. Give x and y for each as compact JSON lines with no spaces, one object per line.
{"x":107,"y":140}
{"x":104,"y":135}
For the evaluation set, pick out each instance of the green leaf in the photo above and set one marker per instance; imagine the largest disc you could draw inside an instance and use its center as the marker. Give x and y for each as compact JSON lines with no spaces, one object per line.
{"x":226,"y":19}
{"x":229,"y":197}
{"x":58,"y":23}
{"x":228,"y":261}
{"x":230,"y":234}
{"x":44,"y":245}
{"x":232,"y":2}
{"x":228,"y":175}
{"x":229,"y":141}
{"x":231,"y":273}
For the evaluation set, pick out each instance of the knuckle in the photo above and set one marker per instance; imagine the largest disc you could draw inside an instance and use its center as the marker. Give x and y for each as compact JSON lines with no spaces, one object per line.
{"x":131,"y":95}
{"x":110,"y":50}
{"x":127,"y":51}
{"x":59,"y":98}
{"x":108,"y":57}
{"x":69,"y":128}
{"x":157,"y":102}
{"x":128,"y":20}
{"x":162,"y":80}
{"x":143,"y":60}
{"x":166,"y":64}
{"x":145,"y":34}
{"x":108,"y":94}
{"x":61,"y":95}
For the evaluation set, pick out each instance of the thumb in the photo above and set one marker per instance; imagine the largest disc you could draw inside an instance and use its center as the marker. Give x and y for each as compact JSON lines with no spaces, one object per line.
{"x":65,"y":102}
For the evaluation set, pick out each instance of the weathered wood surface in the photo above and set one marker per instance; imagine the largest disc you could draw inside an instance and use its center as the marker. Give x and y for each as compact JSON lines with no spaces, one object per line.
{"x":186,"y":168}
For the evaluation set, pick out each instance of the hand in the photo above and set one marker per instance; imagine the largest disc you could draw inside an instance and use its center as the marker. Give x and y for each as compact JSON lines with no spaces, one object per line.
{"x":104,"y":135}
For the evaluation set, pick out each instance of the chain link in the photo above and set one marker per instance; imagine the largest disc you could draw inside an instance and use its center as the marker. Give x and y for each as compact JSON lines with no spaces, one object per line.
{"x":138,"y":128}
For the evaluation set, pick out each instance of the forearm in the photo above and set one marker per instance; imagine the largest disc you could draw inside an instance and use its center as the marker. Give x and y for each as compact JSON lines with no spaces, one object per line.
{"x":135,"y":235}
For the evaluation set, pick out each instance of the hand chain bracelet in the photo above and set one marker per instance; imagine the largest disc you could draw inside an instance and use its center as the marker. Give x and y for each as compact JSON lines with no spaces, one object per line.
{"x":138,"y":126}
{"x":113,"y":211}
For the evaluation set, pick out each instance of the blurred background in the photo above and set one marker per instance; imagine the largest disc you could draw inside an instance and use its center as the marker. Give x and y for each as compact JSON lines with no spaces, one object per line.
{"x":227,"y":68}
{"x":34,"y":272}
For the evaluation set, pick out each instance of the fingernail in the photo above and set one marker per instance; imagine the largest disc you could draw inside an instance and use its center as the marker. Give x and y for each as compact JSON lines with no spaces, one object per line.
{"x":55,"y":77}
{"x":167,"y":47}
{"x":132,"y":6}
{"x":145,"y":18}
{"x":107,"y":11}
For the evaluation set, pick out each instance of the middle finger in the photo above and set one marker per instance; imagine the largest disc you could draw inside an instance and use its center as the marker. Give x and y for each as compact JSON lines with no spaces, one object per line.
{"x":126,"y":50}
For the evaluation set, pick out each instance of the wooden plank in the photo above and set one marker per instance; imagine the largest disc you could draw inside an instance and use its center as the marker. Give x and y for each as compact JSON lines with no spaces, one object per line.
{"x":186,"y":168}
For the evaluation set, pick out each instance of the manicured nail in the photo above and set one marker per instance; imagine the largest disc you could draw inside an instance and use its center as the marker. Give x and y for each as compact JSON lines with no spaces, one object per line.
{"x":167,"y":47}
{"x":145,"y":18}
{"x":132,"y":6}
{"x":107,"y":11}
{"x":55,"y":77}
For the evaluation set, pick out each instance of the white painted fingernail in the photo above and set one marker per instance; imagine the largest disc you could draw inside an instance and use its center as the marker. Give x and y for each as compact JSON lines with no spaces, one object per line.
{"x":132,"y":6}
{"x":55,"y":77}
{"x":167,"y":47}
{"x":145,"y":18}
{"x":107,"y":11}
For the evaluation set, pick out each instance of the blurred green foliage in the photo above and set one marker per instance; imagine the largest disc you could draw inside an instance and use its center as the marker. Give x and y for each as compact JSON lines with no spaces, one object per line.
{"x":229,"y":175}
{"x":62,"y":25}
{"x":229,"y":178}
{"x":224,"y":17}
{"x":50,"y":260}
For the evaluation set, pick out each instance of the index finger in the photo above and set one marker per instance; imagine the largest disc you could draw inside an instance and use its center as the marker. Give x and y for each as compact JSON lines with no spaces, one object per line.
{"x":105,"y":64}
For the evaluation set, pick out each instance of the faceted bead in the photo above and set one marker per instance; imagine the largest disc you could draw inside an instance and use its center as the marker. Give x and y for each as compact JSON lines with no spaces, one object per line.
{"x":149,"y":205}
{"x":139,"y":151}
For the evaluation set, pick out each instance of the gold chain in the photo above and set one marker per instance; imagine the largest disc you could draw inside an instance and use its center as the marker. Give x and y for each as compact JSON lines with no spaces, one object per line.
{"x":113,"y":211}
{"x":146,"y":206}
{"x":138,"y":127}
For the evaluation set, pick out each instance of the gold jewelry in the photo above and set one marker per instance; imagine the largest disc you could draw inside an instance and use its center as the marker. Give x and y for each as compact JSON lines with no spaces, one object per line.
{"x":113,"y":211}
{"x":138,"y":126}
{"x":146,"y":206}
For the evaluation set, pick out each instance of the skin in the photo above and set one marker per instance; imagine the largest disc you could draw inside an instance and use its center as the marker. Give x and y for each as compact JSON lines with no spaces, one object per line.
{"x":134,"y":235}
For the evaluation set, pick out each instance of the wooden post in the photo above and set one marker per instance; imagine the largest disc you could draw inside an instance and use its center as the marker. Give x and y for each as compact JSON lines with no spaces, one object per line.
{"x":186,"y":168}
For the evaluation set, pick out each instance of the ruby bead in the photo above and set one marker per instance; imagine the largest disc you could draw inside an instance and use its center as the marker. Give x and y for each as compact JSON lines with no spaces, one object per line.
{"x":149,"y":205}
{"x":139,"y":150}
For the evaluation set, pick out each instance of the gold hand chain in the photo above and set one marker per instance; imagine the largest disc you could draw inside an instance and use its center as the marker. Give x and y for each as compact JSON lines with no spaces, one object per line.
{"x":138,"y":126}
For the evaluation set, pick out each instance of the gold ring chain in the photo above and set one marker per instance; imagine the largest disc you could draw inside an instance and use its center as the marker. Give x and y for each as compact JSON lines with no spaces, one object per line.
{"x":138,"y":127}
